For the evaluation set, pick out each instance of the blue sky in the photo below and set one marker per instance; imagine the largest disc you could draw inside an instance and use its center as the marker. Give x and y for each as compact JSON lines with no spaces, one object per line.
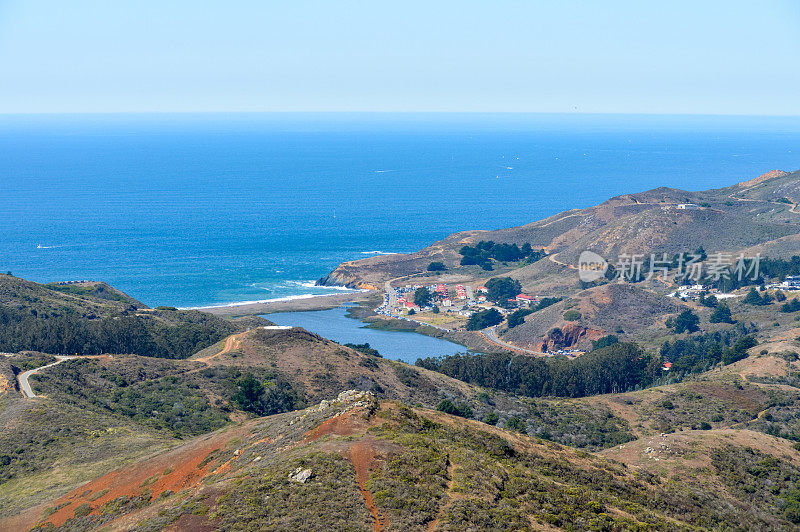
{"x":714,"y":57}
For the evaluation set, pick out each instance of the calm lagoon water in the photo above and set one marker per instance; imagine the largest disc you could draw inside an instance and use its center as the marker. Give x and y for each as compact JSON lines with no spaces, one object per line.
{"x":335,"y":325}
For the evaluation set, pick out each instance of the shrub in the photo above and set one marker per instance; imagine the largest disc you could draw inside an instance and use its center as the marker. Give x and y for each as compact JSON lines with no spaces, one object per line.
{"x":83,"y":510}
{"x":685,"y":321}
{"x":572,"y":315}
{"x":515,"y":423}
{"x":791,"y":306}
{"x":436,"y":267}
{"x":518,"y":317}
{"x":458,"y":409}
{"x":491,"y":418}
{"x":483,"y":319}
{"x":722,"y":314}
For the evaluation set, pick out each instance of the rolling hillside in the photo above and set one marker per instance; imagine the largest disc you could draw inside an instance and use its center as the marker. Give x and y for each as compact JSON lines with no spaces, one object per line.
{"x":730,"y":219}
{"x":359,"y":464}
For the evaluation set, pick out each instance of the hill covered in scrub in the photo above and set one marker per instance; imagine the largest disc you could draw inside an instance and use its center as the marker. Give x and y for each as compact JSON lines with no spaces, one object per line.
{"x":390,"y":454}
{"x":91,"y":413}
{"x":739,"y":217}
{"x":356,"y":463}
{"x":93,"y":318}
{"x":754,"y":217}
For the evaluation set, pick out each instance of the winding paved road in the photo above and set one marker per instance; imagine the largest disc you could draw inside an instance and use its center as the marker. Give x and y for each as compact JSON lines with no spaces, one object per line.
{"x":25,"y":386}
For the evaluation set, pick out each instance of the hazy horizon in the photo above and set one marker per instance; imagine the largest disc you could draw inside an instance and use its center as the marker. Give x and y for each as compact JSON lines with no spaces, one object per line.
{"x":621,"y":56}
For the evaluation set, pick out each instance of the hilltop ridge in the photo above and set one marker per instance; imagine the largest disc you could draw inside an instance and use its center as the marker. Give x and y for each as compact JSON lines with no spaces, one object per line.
{"x":733,"y":218}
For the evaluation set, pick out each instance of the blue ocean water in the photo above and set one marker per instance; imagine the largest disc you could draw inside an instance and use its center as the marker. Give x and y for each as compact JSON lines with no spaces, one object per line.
{"x":192,"y":210}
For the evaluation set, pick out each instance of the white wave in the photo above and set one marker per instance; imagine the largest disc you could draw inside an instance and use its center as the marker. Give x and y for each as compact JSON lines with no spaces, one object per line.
{"x":384,"y":171}
{"x":379,"y":252}
{"x":262,"y":301}
{"x":313,"y":284}
{"x":304,"y":284}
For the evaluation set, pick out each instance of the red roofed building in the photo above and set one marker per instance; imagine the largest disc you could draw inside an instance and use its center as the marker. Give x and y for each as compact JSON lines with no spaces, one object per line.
{"x":667,"y":366}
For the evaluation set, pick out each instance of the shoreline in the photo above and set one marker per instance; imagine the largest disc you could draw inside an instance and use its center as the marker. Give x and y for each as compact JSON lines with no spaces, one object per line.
{"x":292,"y":304}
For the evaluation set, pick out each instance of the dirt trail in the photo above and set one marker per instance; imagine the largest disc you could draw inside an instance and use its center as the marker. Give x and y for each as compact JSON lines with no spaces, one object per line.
{"x":232,"y":342}
{"x":362,"y":454}
{"x":451,"y":496}
{"x":552,"y":258}
{"x":490,"y":335}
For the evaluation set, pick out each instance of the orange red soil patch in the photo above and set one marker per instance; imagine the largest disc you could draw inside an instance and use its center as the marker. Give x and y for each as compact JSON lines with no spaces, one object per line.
{"x":362,"y":455}
{"x":343,"y":425}
{"x":177,"y":470}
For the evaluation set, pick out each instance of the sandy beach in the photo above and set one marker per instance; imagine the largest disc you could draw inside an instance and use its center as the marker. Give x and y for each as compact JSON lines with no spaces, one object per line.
{"x":322,"y":302}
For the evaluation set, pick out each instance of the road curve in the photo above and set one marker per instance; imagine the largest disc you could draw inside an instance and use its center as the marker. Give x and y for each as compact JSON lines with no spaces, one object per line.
{"x":25,"y":386}
{"x":491,"y":335}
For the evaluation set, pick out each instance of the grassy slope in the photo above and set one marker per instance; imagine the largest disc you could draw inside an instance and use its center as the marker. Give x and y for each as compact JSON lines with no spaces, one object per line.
{"x":148,"y":403}
{"x":392,"y":467}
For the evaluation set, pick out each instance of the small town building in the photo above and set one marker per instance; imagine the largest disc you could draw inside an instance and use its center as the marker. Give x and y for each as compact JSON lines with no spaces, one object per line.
{"x":792,"y":282}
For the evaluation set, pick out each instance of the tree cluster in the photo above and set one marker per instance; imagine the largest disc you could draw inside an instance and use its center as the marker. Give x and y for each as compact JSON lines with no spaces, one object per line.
{"x":483,"y":252}
{"x":754,"y":298}
{"x":686,"y":321}
{"x":615,"y":368}
{"x":252,"y":396}
{"x":501,"y":289}
{"x":70,"y":333}
{"x":484,"y":318}
{"x":698,"y":353}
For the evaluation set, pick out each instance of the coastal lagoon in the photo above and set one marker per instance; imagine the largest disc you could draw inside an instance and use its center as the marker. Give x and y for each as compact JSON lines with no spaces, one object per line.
{"x":395,"y":345}
{"x":196,"y":210}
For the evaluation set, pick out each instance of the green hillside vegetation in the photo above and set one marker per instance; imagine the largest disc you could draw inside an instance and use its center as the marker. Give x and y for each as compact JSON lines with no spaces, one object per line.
{"x":94,"y":319}
{"x":388,"y":466}
{"x":614,"y":368}
{"x":484,"y":252}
